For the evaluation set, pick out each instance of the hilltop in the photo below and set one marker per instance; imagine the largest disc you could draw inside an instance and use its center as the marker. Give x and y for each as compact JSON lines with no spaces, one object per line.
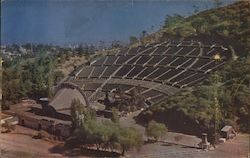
{"x":227,"y":25}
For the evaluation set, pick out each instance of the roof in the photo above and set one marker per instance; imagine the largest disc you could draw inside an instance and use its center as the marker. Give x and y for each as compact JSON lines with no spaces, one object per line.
{"x":63,"y":99}
{"x":38,"y":117}
{"x":226,"y":128}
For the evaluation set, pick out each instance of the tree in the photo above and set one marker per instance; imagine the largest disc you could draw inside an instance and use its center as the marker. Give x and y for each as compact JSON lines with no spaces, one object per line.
{"x":105,"y":134}
{"x":173,"y":20}
{"x":143,"y":33}
{"x":217,"y":3}
{"x":77,"y":113}
{"x":129,"y":138}
{"x":42,"y":71}
{"x":12,"y":87}
{"x":133,"y":40}
{"x":198,"y":23}
{"x":155,"y":130}
{"x":116,"y":44}
{"x":115,"y":116}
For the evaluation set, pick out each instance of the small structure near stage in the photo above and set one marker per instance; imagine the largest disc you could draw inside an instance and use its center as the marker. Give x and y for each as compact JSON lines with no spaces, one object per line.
{"x":228,"y":132}
{"x":204,"y":144}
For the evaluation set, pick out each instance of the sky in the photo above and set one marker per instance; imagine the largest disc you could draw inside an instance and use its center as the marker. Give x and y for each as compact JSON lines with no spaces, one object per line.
{"x":87,"y":21}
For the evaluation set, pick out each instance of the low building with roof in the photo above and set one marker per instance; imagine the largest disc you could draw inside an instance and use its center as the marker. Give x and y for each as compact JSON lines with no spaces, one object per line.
{"x":52,"y":116}
{"x":228,"y":132}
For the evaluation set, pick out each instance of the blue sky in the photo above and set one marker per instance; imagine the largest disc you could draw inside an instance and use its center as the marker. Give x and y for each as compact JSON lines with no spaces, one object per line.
{"x":83,"y":21}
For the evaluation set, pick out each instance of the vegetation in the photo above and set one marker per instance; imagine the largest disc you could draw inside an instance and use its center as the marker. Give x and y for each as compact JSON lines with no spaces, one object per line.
{"x":156,"y":130}
{"x":101,"y":134}
{"x":227,"y":25}
{"x":27,"y":77}
{"x":224,"y":98}
{"x":129,"y":102}
{"x":115,"y":116}
{"x":80,"y":113}
{"x":133,"y":40}
{"x":33,"y":71}
{"x":192,"y":110}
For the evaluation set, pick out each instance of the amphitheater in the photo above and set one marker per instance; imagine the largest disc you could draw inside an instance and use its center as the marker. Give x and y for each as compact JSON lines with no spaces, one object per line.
{"x":160,"y":69}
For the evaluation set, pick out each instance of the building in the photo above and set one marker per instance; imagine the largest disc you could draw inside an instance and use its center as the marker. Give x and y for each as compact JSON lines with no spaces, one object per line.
{"x":54,"y":116}
{"x":228,"y":132}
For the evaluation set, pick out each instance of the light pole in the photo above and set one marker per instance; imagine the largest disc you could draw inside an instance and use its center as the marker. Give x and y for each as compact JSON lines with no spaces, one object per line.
{"x":216,"y":102}
{"x":216,"y":108}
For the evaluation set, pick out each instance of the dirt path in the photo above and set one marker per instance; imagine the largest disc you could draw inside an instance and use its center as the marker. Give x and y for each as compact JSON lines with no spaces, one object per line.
{"x":236,"y":148}
{"x":21,"y":144}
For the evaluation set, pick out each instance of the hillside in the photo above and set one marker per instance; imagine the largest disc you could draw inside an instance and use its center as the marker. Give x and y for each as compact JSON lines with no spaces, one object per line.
{"x":229,"y":25}
{"x":227,"y":90}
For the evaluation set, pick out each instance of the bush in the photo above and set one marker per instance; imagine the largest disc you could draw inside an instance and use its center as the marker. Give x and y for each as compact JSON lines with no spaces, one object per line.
{"x":105,"y":135}
{"x":156,"y":130}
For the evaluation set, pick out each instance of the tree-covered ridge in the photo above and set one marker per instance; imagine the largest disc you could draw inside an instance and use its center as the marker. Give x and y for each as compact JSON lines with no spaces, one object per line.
{"x":229,"y":25}
{"x":192,"y":110}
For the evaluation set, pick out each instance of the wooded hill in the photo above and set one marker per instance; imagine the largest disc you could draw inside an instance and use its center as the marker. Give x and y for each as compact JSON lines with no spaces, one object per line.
{"x":192,"y":110}
{"x":229,"y":25}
